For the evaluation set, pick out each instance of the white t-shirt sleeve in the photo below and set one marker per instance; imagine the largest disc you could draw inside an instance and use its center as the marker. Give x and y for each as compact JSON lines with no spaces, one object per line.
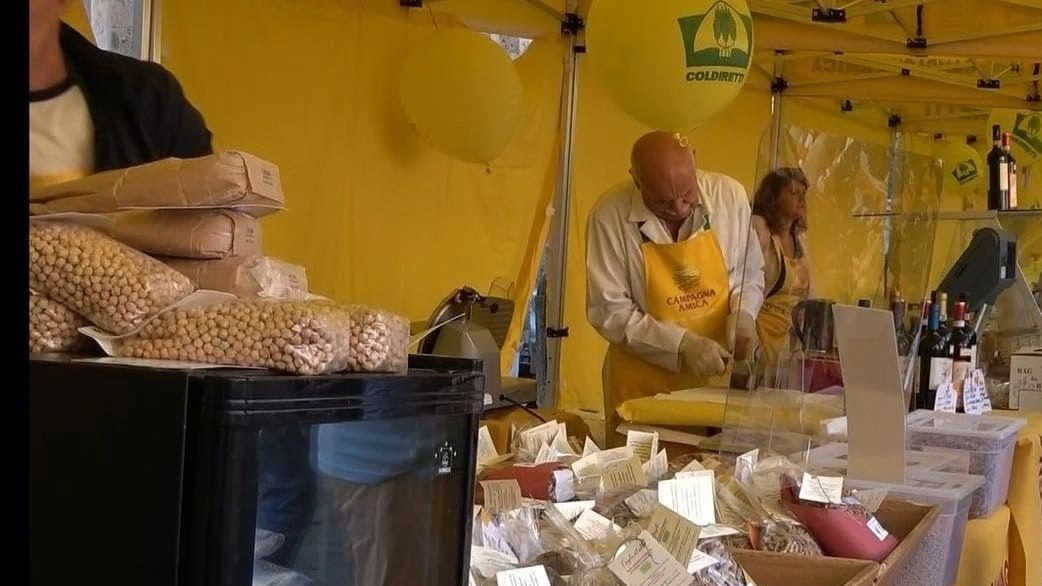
{"x":610,"y":307}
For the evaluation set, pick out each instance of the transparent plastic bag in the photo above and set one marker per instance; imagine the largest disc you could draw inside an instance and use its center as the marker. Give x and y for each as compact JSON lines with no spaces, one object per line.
{"x":486,"y":563}
{"x":727,"y":572}
{"x":612,"y":505}
{"x":54,"y":327}
{"x":109,"y":283}
{"x":734,"y":506}
{"x":558,"y":535}
{"x":780,"y":536}
{"x":599,"y":576}
{"x":246,"y":277}
{"x":299,"y":337}
{"x":516,"y":532}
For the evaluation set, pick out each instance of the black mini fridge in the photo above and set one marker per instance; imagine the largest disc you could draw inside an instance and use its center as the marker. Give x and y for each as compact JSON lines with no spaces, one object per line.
{"x":232,"y":477}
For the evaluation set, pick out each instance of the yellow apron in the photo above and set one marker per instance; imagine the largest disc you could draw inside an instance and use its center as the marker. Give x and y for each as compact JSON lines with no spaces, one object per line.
{"x":687,"y":284}
{"x":775,"y":319}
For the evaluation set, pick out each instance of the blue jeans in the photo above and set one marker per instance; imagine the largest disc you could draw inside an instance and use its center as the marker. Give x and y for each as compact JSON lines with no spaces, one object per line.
{"x":285,"y":488}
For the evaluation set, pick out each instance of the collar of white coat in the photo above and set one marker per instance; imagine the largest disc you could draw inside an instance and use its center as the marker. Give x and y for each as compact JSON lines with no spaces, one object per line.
{"x":641,"y":215}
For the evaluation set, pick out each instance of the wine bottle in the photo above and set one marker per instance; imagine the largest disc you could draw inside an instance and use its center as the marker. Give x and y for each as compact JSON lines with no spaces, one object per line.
{"x":962,"y":347}
{"x":1012,"y":199}
{"x":998,"y":172}
{"x":943,"y":327}
{"x":898,"y":307}
{"x":934,"y":362}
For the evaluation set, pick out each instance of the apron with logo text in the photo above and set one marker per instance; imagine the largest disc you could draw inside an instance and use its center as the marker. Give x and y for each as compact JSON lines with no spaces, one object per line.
{"x":687,"y":284}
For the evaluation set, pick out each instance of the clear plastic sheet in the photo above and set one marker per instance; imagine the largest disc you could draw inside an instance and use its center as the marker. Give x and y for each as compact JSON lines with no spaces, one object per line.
{"x":111,"y":284}
{"x":300,"y":337}
{"x":868,"y":235}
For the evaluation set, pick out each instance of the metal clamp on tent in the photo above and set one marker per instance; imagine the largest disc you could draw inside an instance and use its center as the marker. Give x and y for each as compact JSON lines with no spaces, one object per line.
{"x":829,"y":15}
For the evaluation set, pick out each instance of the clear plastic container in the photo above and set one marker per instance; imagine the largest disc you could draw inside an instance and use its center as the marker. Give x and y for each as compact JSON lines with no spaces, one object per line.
{"x":990,"y":442}
{"x":950,"y":461}
{"x":936,"y":561}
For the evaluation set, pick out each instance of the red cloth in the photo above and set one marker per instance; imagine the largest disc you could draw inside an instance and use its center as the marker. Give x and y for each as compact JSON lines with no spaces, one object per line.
{"x":841,"y":532}
{"x":535,"y":480}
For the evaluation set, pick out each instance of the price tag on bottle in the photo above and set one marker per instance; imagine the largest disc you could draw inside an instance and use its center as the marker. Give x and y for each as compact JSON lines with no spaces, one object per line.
{"x":946,"y":399}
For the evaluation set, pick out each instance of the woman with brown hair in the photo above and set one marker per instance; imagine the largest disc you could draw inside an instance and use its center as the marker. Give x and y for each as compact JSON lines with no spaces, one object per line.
{"x":780,"y":222}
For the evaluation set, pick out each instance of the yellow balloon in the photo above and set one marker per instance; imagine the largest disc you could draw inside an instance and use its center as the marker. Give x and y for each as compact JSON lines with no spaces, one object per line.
{"x":1026,"y":129}
{"x":462,"y":94}
{"x":962,"y":167}
{"x":671,"y":64}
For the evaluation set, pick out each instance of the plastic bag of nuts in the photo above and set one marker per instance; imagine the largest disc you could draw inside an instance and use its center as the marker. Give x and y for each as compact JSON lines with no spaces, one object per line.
{"x":115,"y":287}
{"x":300,"y":337}
{"x":54,"y":327}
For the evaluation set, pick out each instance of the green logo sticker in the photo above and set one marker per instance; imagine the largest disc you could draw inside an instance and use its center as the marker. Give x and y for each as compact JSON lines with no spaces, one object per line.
{"x":717,"y":43}
{"x":965,"y":171}
{"x":1027,"y":132}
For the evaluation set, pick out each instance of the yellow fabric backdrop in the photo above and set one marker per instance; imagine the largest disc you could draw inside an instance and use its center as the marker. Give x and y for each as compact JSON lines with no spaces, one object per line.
{"x":374,"y":215}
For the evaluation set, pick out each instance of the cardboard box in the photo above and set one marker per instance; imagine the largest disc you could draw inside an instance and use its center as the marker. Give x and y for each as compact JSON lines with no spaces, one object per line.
{"x":1025,"y":380}
{"x":776,"y":569}
{"x":500,"y":422}
{"x":908,"y":522}
{"x":228,"y":179}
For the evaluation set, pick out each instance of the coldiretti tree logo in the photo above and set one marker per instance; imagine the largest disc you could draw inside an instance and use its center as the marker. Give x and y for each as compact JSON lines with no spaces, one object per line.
{"x":1027,"y":133}
{"x":670,"y":64}
{"x":965,"y":171}
{"x":718,"y":44}
{"x":962,"y":167}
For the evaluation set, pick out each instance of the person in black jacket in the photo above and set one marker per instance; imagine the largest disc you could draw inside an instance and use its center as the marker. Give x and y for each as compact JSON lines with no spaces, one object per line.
{"x":92,"y":110}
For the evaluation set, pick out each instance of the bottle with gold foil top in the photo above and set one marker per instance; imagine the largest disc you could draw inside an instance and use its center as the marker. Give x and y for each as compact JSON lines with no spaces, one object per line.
{"x":944,"y":327}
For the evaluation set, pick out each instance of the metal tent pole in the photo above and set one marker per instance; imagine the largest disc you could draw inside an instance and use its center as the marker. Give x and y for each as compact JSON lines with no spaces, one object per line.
{"x":778,"y":86}
{"x":151,"y":33}
{"x":893,"y":179}
{"x":557,"y":247}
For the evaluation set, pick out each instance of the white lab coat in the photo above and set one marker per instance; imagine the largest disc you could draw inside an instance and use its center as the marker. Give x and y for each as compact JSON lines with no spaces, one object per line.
{"x":615,"y":283}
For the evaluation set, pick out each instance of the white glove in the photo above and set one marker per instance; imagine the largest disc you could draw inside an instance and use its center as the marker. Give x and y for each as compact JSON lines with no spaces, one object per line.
{"x":741,"y":334}
{"x":703,"y":356}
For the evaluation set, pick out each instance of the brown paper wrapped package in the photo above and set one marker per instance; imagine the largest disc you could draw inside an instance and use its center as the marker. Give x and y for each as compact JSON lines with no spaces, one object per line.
{"x":228,"y":179}
{"x":247,"y":277}
{"x":202,"y":234}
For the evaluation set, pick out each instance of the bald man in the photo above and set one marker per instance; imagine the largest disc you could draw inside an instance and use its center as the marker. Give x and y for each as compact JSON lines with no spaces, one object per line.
{"x":674,"y":275}
{"x":92,"y":110}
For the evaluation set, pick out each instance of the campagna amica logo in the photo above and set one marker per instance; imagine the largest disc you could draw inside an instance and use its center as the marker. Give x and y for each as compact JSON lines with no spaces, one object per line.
{"x":687,"y":278}
{"x":965,"y":171}
{"x":718,"y":44}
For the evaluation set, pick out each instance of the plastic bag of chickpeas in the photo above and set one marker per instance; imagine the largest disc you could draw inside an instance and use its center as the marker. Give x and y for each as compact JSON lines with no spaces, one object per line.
{"x":54,"y":327}
{"x":306,"y":337}
{"x":114,"y":286}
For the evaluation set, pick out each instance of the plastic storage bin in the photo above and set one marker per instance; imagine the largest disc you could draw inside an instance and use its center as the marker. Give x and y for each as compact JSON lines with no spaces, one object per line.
{"x":989,"y":441}
{"x":936,"y":561}
{"x":952,"y":462}
{"x":232,"y":477}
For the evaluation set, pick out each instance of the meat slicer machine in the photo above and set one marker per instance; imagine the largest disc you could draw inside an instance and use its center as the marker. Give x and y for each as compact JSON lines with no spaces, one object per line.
{"x":467,"y":324}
